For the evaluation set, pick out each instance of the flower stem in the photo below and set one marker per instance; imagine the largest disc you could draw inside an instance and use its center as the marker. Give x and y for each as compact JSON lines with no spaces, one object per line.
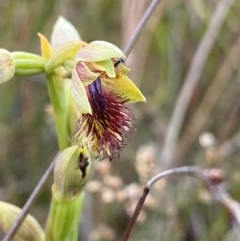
{"x":26,"y":55}
{"x":63,"y":219}
{"x":56,"y":93}
{"x":69,"y":65}
{"x":30,"y":63}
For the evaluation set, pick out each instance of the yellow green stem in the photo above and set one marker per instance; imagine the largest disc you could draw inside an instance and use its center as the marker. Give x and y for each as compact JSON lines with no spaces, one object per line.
{"x":29,"y":63}
{"x":63,"y":219}
{"x":25,"y":72}
{"x":25,"y":55}
{"x":57,"y":96}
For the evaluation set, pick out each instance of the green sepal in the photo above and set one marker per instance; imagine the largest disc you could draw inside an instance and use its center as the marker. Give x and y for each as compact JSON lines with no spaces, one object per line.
{"x":98,"y":51}
{"x":63,"y":32}
{"x":108,"y":67}
{"x":67,"y":51}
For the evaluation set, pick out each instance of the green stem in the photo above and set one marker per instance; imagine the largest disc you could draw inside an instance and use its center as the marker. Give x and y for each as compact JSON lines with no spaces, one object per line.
{"x":25,"y":72}
{"x":63,"y":219}
{"x":25,"y":55}
{"x":57,"y":96}
{"x":29,"y":63}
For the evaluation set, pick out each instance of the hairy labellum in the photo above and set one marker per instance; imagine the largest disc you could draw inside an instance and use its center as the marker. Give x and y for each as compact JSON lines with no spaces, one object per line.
{"x":109,"y":123}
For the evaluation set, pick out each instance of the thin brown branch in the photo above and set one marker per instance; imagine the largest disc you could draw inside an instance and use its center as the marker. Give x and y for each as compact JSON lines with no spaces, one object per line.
{"x":135,"y":214}
{"x":187,"y":170}
{"x":26,"y":208}
{"x":212,"y":179}
{"x":191,"y":80}
{"x":180,"y":170}
{"x":135,"y":36}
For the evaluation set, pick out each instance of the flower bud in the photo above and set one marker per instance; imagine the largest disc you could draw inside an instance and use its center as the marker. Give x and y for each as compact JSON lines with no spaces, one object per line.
{"x":30,"y":230}
{"x":7,"y":68}
{"x":71,"y":173}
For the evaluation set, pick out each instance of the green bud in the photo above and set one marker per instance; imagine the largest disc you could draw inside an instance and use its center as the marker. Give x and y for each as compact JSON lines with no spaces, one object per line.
{"x":7,"y":68}
{"x":30,"y":230}
{"x":71,"y":173}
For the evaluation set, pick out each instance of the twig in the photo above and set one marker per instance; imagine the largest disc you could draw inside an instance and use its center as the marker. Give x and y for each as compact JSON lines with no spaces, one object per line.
{"x":191,"y":81}
{"x":180,"y":170}
{"x":187,"y":170}
{"x":136,"y":213}
{"x":211,"y":178}
{"x":26,"y":208}
{"x":135,"y":36}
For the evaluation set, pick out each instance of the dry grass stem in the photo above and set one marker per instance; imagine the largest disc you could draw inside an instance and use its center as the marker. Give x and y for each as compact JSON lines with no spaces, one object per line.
{"x":191,"y":81}
{"x":135,"y":36}
{"x":209,"y":100}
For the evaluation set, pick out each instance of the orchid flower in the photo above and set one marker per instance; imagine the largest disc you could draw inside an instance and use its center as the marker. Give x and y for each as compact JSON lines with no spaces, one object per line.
{"x":101,"y":89}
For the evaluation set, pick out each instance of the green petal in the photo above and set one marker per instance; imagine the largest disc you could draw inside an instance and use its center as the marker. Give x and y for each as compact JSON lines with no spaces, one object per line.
{"x":63,"y":32}
{"x":122,"y":69}
{"x":125,"y":87}
{"x":67,"y":51}
{"x":79,"y":94}
{"x":99,"y":51}
{"x":85,"y":74}
{"x":107,"y":66}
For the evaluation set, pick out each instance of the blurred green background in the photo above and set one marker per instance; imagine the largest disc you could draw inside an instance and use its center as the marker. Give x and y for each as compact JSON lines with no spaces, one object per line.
{"x":179,"y":208}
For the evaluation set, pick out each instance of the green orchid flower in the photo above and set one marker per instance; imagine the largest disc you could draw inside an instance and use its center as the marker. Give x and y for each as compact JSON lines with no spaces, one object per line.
{"x":101,"y":89}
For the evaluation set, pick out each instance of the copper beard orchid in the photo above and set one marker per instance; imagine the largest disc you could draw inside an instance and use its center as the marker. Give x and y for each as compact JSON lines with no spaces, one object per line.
{"x":100,"y":89}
